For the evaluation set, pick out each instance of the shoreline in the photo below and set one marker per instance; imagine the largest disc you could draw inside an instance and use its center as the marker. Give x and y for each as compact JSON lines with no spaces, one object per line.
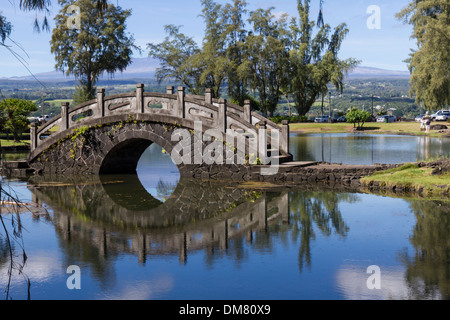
{"x":312,"y":130}
{"x":390,"y":133}
{"x":377,"y":179}
{"x":397,"y":128}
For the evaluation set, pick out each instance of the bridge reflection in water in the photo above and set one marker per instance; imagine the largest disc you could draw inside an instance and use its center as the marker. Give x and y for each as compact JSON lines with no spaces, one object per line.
{"x":107,"y":212}
{"x":113,"y":215}
{"x":99,"y":220}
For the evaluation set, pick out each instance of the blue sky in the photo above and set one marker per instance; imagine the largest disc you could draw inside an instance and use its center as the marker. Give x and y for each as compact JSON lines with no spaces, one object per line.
{"x":384,"y":48}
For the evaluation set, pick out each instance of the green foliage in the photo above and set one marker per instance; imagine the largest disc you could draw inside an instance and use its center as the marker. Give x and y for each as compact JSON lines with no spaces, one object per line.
{"x":358,"y":117}
{"x":254,"y":104}
{"x":83,"y":94}
{"x":269,"y":63}
{"x":273,"y":58}
{"x":314,"y":58}
{"x":177,"y":54}
{"x":13,"y":115}
{"x":293,"y":119}
{"x":100,"y":45}
{"x":81,"y":131}
{"x":429,"y":64}
{"x":5,"y":29}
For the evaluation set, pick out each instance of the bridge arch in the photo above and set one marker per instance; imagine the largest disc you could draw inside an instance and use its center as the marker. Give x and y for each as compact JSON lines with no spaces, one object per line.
{"x":109,"y":134}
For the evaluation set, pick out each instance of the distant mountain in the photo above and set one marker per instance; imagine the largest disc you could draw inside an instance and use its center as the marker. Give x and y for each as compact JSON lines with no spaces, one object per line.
{"x":144,"y":68}
{"x":368,"y":73}
{"x":140,"y":68}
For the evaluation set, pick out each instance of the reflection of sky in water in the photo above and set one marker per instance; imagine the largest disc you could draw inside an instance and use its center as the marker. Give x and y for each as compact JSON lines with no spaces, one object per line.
{"x":261,"y":264}
{"x":264,"y":265}
{"x":157,"y":172}
{"x":366,"y":149}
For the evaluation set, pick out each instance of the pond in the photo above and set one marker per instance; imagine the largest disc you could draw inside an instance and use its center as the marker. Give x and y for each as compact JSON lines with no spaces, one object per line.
{"x":350,"y":148}
{"x":153,"y":236}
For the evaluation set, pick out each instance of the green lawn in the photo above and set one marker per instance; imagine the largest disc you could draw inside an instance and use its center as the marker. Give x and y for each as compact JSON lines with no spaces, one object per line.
{"x":412,"y":128}
{"x":9,"y":143}
{"x":411,"y":176}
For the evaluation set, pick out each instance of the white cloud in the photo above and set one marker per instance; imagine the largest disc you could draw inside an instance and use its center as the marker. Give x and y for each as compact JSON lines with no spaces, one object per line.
{"x":352,"y":282}
{"x":143,"y":290}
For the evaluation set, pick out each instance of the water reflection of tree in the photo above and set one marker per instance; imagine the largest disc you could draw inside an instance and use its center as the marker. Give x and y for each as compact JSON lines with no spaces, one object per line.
{"x":165,"y":189}
{"x":428,"y":272}
{"x":4,"y":252}
{"x":83,"y":246}
{"x":9,"y":237}
{"x":308,"y":212}
{"x":320,"y":209}
{"x":300,"y":148}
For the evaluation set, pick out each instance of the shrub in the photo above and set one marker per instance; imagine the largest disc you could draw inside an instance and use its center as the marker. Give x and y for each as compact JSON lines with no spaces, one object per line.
{"x":294,"y":119}
{"x":357,"y":116}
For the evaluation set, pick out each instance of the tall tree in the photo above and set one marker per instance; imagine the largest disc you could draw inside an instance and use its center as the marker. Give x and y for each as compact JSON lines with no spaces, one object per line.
{"x":314,"y":58}
{"x":235,"y":37}
{"x":268,"y":58}
{"x":178,"y":56}
{"x":429,"y":64}
{"x":99,"y":46}
{"x":214,"y":51}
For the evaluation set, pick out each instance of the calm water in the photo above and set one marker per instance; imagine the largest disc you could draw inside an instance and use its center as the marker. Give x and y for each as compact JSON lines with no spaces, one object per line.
{"x":152,"y":236}
{"x":367,"y":149}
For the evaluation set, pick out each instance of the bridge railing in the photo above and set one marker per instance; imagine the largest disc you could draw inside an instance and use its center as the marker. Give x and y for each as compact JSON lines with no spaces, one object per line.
{"x":217,"y":113}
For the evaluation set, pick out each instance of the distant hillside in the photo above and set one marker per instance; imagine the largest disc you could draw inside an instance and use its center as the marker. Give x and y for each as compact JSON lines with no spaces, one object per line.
{"x":368,"y":73}
{"x":144,"y":68}
{"x":140,"y":68}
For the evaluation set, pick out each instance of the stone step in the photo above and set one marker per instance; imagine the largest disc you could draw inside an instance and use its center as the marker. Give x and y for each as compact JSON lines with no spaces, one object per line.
{"x":283,"y":158}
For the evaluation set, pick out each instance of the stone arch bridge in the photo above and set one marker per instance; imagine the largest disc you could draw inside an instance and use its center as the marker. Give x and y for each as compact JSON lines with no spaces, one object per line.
{"x":109,"y":134}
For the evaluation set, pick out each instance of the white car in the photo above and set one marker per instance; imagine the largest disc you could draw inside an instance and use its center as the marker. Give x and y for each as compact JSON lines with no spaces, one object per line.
{"x":435,"y":116}
{"x":386,"y":119}
{"x":322,"y":119}
{"x":45,"y":118}
{"x":419,"y":118}
{"x":444,"y":116}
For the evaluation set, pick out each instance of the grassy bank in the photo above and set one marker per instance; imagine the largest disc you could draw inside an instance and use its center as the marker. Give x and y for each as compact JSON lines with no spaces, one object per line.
{"x":413,"y":177}
{"x":12,"y":143}
{"x":408,"y":128}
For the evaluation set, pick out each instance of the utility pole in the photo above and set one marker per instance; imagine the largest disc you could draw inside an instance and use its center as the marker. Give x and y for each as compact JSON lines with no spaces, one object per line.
{"x":372,"y":104}
{"x":329,"y":101}
{"x":43,"y":101}
{"x":323,"y":98}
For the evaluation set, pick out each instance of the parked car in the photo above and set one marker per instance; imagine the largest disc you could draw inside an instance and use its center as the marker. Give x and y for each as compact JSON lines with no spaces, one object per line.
{"x":386,"y":119}
{"x":444,"y":116}
{"x":419,"y":118}
{"x":44,"y":118}
{"x":341,"y":119}
{"x":439,"y":113}
{"x":322,"y":119}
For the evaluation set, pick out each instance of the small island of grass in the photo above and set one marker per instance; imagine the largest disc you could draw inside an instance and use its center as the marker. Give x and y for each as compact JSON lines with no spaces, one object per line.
{"x":426,"y":178}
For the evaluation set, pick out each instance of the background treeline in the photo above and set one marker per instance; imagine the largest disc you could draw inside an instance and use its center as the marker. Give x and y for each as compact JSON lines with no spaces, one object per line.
{"x":388,"y":93}
{"x":256,"y":54}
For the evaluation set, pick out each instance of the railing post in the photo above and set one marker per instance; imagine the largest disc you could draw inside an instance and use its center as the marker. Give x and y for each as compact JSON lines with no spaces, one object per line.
{"x":33,"y":136}
{"x":247,"y":111}
{"x":140,"y":98}
{"x":262,"y":142}
{"x":181,"y":113}
{"x":222,"y":117}
{"x":101,"y":102}
{"x":284,"y":139}
{"x":169,"y":89}
{"x":64,"y":116}
{"x":208,"y":96}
